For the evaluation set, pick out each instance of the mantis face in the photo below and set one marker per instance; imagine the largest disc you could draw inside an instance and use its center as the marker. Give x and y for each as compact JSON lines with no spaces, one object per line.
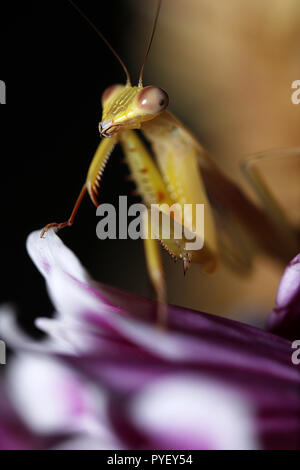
{"x":127,"y":107}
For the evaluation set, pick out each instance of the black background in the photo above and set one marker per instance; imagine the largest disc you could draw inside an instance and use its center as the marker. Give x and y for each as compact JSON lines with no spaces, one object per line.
{"x":56,"y":69}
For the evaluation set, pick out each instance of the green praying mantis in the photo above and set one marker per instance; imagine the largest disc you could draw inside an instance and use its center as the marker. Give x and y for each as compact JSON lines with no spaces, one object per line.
{"x":182,"y":172}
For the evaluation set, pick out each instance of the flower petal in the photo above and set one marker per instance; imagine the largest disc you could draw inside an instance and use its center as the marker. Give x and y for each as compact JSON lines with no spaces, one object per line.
{"x":285,"y":318}
{"x":14,"y":435}
{"x":52,"y":399}
{"x":191,"y":412}
{"x":114,"y":342}
{"x":17,"y":339}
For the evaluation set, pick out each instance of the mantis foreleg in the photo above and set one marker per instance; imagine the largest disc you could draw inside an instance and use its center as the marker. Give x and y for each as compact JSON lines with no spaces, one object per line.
{"x":91,"y":184}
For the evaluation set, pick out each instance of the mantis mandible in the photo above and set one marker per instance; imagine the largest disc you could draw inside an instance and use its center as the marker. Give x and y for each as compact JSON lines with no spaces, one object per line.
{"x":182,"y":173}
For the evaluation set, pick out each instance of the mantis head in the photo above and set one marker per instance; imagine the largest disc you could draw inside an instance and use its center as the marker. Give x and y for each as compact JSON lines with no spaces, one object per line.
{"x":127,"y":107}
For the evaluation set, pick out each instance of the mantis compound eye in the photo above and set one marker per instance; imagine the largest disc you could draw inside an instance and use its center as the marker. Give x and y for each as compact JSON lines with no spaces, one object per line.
{"x":109,"y":92}
{"x":153,"y":100}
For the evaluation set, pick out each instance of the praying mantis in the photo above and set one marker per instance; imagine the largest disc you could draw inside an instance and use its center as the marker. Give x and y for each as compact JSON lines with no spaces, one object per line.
{"x":182,"y":172}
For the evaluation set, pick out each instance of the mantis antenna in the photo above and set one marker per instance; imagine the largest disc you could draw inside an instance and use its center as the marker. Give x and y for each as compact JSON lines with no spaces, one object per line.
{"x":103,"y":39}
{"x":150,"y":42}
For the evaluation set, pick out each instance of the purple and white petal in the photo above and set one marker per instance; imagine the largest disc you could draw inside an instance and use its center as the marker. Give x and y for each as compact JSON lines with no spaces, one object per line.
{"x":284,"y":320}
{"x":53,"y":399}
{"x":191,"y":412}
{"x":118,"y":382}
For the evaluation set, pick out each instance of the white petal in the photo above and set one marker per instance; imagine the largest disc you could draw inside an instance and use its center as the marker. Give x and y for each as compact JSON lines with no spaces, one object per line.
{"x":186,"y":411}
{"x":49,"y":252}
{"x":70,"y":287}
{"x":16,"y":338}
{"x":51,"y":398}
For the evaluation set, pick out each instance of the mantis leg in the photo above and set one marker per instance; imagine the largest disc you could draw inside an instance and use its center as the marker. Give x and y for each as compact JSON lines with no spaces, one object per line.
{"x":176,"y":156}
{"x":97,"y":166}
{"x":155,"y":270}
{"x":153,"y":191}
{"x":251,"y":168}
{"x":92,"y":182}
{"x":70,"y":220}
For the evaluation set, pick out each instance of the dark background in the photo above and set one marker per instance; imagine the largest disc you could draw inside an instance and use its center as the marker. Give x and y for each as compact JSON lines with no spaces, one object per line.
{"x":56,"y":69}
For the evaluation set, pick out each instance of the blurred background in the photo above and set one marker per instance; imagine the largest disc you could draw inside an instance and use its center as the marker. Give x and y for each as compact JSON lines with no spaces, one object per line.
{"x":228,"y":69}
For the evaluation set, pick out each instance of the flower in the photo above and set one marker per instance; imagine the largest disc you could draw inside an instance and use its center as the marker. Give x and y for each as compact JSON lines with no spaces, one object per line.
{"x":285,"y":318}
{"x":48,"y":405}
{"x":206,"y":383}
{"x":13,"y":432}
